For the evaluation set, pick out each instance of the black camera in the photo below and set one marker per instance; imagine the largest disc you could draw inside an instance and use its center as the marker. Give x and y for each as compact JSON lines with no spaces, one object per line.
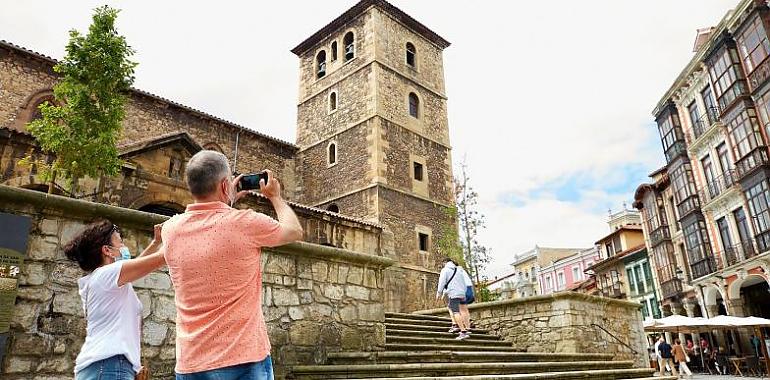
{"x":251,"y":181}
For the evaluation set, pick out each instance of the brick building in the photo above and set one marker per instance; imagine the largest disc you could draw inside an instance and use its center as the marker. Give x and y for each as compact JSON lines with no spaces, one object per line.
{"x":372,"y":153}
{"x":707,"y":212}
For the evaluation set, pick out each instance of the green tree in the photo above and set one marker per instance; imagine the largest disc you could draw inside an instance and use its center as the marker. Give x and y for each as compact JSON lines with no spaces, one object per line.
{"x":81,"y":128}
{"x":471,"y":221}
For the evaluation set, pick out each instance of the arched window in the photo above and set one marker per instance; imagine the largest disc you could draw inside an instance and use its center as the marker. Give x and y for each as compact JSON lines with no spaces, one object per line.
{"x":411,"y":54}
{"x":332,"y":101}
{"x":414,"y":105}
{"x":334,"y":51}
{"x":333,"y":208}
{"x":321,"y":64}
{"x":349,"y":43}
{"x":331,"y":156}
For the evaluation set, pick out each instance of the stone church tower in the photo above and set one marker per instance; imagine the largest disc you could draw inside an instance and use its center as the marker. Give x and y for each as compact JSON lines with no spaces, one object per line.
{"x":373,"y":137}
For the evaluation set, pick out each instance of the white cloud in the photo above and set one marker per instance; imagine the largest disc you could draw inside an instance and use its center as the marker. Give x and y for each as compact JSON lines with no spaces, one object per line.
{"x":540,"y":91}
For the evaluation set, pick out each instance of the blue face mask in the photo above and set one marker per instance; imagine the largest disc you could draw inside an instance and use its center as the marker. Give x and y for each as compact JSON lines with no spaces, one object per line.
{"x":125,"y":254}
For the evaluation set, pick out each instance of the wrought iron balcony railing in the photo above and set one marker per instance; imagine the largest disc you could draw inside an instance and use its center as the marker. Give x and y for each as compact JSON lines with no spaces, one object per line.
{"x":718,"y":185}
{"x":705,"y":122}
{"x":751,"y":161}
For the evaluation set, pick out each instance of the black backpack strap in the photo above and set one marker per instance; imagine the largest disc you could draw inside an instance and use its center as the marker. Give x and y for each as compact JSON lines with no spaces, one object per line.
{"x":450,"y":279}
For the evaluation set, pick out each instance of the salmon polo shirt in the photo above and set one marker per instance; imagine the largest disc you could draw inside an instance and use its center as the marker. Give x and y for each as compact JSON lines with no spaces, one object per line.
{"x":213,"y":255}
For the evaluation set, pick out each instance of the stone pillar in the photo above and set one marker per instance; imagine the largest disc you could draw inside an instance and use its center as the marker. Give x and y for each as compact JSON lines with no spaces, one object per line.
{"x":713,"y":311}
{"x":740,"y":336}
{"x":677,"y":309}
{"x":690,"y":306}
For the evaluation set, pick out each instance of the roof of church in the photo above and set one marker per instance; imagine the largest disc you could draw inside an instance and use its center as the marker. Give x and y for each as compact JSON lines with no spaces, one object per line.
{"x":136,"y":91}
{"x":158,"y":141}
{"x":360,"y":8}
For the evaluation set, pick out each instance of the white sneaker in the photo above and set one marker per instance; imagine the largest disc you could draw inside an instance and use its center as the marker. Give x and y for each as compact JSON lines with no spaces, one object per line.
{"x":462,"y":336}
{"x":454,"y":329}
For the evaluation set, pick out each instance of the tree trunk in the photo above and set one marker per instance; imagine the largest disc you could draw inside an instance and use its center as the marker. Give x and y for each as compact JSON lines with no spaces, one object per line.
{"x":52,"y":184}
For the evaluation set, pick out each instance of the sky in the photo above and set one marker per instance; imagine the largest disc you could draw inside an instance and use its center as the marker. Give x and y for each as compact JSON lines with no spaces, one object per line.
{"x":549,"y":101}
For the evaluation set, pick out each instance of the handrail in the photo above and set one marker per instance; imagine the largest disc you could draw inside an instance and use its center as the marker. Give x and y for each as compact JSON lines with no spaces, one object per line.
{"x":616,"y":338}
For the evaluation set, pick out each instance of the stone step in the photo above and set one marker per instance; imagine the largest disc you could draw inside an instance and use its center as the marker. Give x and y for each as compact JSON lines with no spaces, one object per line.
{"x":418,"y":317}
{"x":448,"y":369}
{"x":449,"y":347}
{"x":442,"y":341}
{"x":383,"y":357}
{"x":436,"y":334}
{"x":607,"y":374}
{"x":398,"y":326}
{"x":403,"y":321}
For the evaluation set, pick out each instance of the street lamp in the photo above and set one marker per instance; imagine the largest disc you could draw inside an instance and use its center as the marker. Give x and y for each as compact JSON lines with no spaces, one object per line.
{"x":679,"y":274}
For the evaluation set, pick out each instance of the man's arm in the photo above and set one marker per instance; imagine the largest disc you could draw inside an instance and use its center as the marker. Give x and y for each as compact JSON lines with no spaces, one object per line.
{"x":290,"y":229}
{"x":441,"y":281}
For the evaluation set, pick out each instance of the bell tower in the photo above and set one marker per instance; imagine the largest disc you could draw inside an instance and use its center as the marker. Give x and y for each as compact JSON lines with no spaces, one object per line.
{"x":373,"y":135}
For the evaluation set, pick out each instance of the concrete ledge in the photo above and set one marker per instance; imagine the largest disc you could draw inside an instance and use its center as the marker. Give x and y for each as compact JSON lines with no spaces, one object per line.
{"x":547,"y":298}
{"x":331,"y":253}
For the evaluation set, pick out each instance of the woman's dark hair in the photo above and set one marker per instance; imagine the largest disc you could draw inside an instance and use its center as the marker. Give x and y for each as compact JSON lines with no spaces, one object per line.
{"x":86,"y":247}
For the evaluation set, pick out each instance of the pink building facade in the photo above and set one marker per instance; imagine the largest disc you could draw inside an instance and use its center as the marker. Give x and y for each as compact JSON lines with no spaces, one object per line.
{"x":563,"y":274}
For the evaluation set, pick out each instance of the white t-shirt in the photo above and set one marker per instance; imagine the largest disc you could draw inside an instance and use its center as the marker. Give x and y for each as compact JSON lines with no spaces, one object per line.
{"x":114,"y":316}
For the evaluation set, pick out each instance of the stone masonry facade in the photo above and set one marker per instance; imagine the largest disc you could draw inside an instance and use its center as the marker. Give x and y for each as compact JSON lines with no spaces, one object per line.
{"x":316,"y":299}
{"x":392,"y":168}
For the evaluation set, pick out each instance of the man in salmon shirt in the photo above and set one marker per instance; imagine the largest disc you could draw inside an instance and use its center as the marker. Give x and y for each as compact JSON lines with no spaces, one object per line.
{"x":213,"y":255}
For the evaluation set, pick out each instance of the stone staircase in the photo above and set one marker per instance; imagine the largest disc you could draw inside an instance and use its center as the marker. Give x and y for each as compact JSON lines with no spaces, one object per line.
{"x":419,"y":347}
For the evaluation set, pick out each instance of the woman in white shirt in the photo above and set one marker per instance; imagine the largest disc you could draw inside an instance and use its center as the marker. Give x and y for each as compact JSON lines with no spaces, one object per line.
{"x":113,"y":312}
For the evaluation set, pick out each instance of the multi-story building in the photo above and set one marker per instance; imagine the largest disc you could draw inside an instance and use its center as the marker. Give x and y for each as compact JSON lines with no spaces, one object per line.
{"x":640,"y":281}
{"x":526,"y":268}
{"x":372,"y":147}
{"x":625,"y":238}
{"x":713,"y":123}
{"x":566,"y":273}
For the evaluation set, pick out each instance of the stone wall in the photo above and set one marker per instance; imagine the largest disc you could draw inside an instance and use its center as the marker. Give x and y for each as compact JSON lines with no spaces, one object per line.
{"x":316,"y":299}
{"x":353,"y":170}
{"x":565,"y":322}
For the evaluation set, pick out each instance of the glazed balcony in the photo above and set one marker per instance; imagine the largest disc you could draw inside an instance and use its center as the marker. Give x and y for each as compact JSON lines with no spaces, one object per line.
{"x":676,"y":149}
{"x":750,"y":162}
{"x":763,"y":243}
{"x":659,"y":235}
{"x":760,"y":75}
{"x":705,"y":122}
{"x":688,"y":205}
{"x":718,"y":186}
{"x":703,"y":266}
{"x":670,"y":288}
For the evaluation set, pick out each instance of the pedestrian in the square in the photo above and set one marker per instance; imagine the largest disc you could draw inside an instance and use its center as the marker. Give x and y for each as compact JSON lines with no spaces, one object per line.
{"x":755,"y":344}
{"x":666,"y":356}
{"x":112,"y":310}
{"x":681,"y":357}
{"x":213,"y":252}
